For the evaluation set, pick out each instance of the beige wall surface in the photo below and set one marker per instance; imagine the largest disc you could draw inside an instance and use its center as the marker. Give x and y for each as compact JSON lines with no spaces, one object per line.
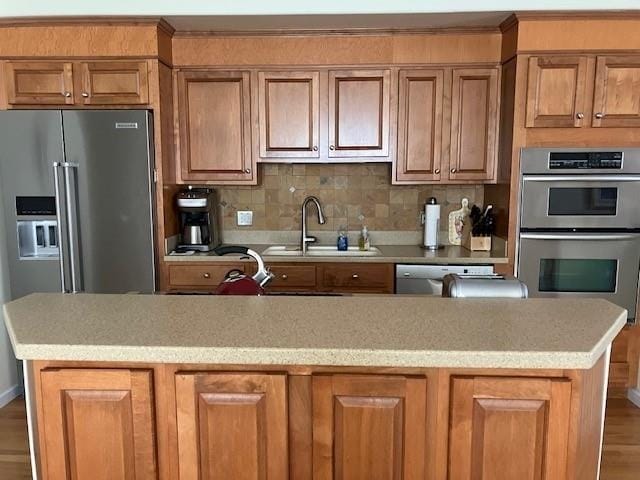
{"x":351,"y":196}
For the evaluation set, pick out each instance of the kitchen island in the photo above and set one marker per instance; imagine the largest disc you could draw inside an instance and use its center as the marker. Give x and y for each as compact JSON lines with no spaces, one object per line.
{"x":362,"y":387}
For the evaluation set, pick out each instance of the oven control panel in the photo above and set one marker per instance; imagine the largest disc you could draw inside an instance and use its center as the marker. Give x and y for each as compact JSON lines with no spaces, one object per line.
{"x":585,"y":160}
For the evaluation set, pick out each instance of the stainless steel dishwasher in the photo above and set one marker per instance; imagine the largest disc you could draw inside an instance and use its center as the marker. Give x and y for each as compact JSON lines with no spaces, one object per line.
{"x":427,"y":279}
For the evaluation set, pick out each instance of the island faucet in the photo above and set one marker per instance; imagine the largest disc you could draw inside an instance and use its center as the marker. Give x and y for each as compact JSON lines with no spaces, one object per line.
{"x":306,"y":239}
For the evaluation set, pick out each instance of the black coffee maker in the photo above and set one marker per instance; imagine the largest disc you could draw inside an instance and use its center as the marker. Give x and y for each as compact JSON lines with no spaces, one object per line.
{"x":198,"y":219}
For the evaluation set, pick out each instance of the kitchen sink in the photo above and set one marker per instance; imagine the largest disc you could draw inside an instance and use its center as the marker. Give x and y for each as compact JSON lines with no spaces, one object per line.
{"x":319,"y":251}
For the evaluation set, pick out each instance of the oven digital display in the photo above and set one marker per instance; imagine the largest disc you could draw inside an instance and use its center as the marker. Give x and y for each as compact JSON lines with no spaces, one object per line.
{"x":587,"y":201}
{"x":585,"y":160}
{"x":578,"y":275}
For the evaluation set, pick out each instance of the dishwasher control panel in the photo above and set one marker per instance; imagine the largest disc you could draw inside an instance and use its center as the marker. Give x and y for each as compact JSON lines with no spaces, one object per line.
{"x":427,"y":279}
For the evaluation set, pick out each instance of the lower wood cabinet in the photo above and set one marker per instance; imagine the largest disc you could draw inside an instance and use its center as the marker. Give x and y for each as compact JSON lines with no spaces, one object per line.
{"x":508,"y":428}
{"x":232,"y":426}
{"x":305,"y":422}
{"x":200,"y":276}
{"x":369,"y":427}
{"x":97,"y":424}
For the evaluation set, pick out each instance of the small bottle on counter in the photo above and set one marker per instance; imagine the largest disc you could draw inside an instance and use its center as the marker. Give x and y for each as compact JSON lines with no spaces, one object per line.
{"x":343,"y":239}
{"x":364,"y":244}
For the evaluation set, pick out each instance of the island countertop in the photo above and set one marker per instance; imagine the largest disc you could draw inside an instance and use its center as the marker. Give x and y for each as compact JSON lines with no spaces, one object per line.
{"x":383,"y":331}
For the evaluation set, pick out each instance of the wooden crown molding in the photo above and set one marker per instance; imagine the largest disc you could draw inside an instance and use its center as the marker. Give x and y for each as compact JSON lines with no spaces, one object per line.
{"x":80,"y":21}
{"x":337,"y":32}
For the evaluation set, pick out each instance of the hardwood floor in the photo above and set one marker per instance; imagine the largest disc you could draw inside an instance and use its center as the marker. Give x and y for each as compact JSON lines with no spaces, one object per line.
{"x":621,"y":456}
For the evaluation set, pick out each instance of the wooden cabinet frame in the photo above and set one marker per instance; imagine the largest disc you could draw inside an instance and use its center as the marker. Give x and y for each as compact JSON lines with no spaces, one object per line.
{"x":603,"y":118}
{"x":312,"y":80}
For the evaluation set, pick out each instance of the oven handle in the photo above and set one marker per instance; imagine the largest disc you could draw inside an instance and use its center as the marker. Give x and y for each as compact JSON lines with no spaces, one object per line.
{"x":582,"y":178}
{"x":571,"y":236}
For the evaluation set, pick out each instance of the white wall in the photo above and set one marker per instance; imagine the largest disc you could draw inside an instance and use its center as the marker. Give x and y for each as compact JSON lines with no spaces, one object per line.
{"x":9,"y":380}
{"x":10,"y":8}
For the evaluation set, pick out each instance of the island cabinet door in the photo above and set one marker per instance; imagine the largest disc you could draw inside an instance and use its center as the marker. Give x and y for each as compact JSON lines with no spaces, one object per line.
{"x":369,"y":428}
{"x":97,"y":425}
{"x":509,"y":428}
{"x":232,"y":426}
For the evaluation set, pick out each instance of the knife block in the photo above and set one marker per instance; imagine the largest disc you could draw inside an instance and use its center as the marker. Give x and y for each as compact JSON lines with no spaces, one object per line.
{"x":475,"y":244}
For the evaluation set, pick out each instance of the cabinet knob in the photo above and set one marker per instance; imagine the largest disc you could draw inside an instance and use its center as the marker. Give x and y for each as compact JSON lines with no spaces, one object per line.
{"x":285,"y":276}
{"x":454,"y":170}
{"x":579,"y":115}
{"x":67,"y":94}
{"x":355,"y":276}
{"x":85,"y":94}
{"x":331,"y":147}
{"x":315,"y":148}
{"x":247,"y":170}
{"x":206,"y":275}
{"x":599,"y":115}
{"x":436,"y":171}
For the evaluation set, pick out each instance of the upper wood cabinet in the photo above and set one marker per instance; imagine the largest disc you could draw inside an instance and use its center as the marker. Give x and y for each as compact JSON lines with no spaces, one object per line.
{"x":474,"y":124}
{"x":556,"y":91}
{"x":80,"y":83}
{"x":39,"y":83}
{"x":231,"y":426}
{"x":559,"y":92}
{"x":420,"y":118}
{"x":214,"y":115}
{"x":359,"y":114}
{"x":616,"y":99}
{"x":289,"y":111}
{"x":97,"y":424}
{"x":508,"y":428}
{"x":369,"y":427}
{"x":114,"y":83}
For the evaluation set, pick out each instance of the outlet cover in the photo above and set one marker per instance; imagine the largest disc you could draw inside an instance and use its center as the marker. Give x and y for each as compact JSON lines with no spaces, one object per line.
{"x":245,"y":218}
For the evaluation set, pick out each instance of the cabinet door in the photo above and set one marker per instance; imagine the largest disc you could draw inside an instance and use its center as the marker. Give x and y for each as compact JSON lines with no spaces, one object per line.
{"x":474,"y":124}
{"x":114,"y":83}
{"x":289,"y":114}
{"x":98,"y":424}
{"x":359,"y":113}
{"x":508,"y":428}
{"x":419,"y":126}
{"x":369,"y":428}
{"x":616,"y":101}
{"x":556,"y":91}
{"x":232,"y":426}
{"x":39,"y":83}
{"x":215,"y":132}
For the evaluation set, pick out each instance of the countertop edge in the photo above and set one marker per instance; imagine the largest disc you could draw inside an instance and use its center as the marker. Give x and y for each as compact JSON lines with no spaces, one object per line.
{"x":322,"y":357}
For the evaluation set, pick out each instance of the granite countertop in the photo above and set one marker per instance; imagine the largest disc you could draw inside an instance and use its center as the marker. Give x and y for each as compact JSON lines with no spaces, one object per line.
{"x":396,"y":331}
{"x":389,"y":254}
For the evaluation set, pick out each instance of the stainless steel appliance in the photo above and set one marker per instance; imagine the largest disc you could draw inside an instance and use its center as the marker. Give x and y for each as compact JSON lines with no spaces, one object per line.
{"x":579,"y":232}
{"x":428,"y":279}
{"x":483,"y":286}
{"x":77,"y":192}
{"x":198,"y":219}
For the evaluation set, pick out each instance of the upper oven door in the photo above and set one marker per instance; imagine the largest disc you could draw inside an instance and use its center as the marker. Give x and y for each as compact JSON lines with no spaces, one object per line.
{"x":581,"y":201}
{"x":581,"y":264}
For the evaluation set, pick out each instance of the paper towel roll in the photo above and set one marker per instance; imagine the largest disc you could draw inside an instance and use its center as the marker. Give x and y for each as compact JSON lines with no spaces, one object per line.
{"x":431,"y":223}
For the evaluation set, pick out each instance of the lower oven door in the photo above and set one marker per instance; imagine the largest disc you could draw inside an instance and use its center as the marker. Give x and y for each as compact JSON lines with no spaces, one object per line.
{"x":582,"y":264}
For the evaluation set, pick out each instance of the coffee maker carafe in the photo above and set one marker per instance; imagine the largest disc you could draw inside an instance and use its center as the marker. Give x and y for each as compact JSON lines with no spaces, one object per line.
{"x":198,"y":219}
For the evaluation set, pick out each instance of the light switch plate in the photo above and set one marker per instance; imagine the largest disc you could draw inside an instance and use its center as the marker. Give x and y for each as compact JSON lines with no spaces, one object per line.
{"x":245,"y":218}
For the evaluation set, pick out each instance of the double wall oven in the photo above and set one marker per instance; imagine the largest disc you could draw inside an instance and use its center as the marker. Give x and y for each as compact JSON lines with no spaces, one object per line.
{"x":579,"y":231}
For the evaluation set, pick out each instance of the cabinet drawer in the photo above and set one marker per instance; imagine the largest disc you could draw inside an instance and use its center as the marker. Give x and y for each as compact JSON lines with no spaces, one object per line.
{"x":289,"y":276}
{"x":619,"y":374}
{"x":356,"y":277}
{"x":200,"y":275}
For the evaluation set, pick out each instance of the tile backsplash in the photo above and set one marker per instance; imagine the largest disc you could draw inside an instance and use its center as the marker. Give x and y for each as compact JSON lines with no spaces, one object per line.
{"x":351,"y":195}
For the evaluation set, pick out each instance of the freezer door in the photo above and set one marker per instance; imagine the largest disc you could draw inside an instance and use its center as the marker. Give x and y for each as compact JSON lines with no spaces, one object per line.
{"x":30,"y":143}
{"x":109,"y":169}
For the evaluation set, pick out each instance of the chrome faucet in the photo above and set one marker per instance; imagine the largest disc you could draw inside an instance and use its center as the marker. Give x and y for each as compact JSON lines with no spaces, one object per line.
{"x":306,"y":239}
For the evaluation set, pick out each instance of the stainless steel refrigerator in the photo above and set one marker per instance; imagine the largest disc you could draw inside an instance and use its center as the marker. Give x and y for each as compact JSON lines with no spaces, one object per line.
{"x":77,"y":190}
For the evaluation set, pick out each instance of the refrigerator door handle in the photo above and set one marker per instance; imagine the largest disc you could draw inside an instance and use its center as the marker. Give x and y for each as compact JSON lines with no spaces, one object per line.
{"x":61,"y":225}
{"x":70,"y":191}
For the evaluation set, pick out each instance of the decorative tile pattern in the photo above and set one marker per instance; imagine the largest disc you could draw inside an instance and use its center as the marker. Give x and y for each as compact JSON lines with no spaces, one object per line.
{"x":351,"y":195}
